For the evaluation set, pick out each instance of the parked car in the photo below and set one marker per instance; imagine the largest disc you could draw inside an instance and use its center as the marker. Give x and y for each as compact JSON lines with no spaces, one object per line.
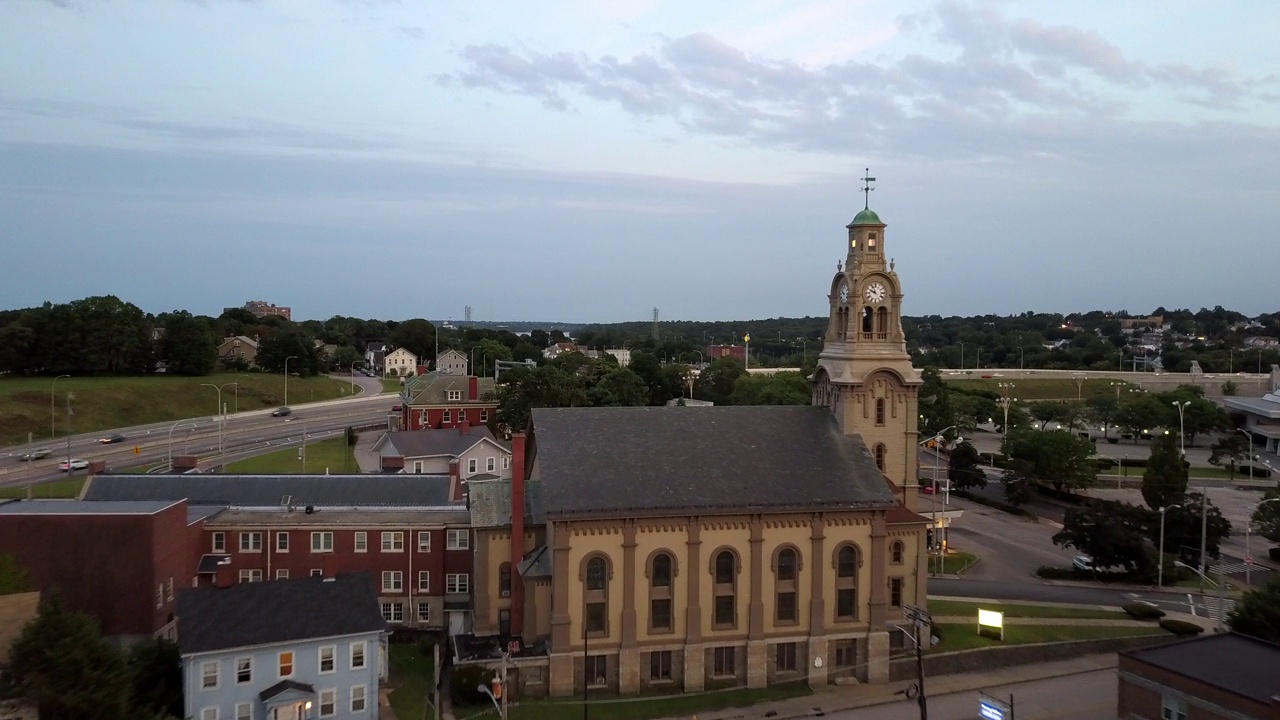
{"x":397,"y":408}
{"x":1082,"y":562}
{"x":73,"y":464}
{"x":281,"y":412}
{"x":36,"y":454}
{"x":112,"y":439}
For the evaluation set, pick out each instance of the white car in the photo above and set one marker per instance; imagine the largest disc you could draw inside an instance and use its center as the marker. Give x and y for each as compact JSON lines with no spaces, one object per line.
{"x":1082,"y":562}
{"x":73,"y":464}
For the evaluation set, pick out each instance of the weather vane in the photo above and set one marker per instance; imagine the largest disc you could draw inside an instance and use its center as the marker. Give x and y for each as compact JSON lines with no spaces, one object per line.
{"x":866,"y":189}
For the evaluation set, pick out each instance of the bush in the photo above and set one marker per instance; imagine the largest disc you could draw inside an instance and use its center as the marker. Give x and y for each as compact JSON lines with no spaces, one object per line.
{"x":1002,"y":506}
{"x":1258,"y":472}
{"x":1057,"y":573}
{"x":1143,"y":611}
{"x":1274,"y":554}
{"x":465,"y":680}
{"x":1181,"y":628}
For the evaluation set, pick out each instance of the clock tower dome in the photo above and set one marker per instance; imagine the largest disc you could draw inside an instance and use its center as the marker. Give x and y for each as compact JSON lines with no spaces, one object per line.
{"x":864,"y":374}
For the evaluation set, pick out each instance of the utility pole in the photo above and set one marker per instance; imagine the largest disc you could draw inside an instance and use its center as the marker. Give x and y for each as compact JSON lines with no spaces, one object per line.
{"x":919,"y":617}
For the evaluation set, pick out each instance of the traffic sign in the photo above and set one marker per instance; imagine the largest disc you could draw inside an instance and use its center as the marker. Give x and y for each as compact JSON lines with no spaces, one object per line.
{"x":137,"y":450}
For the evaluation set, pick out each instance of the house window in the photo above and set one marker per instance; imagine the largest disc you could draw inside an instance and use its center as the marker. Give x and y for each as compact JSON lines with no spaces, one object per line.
{"x":472,"y":465}
{"x":282,"y":542}
{"x":457,"y":583}
{"x":169,"y":588}
{"x":284,"y":664}
{"x":880,"y":452}
{"x":726,"y":591}
{"x":327,"y":654}
{"x":244,"y":711}
{"x":219,"y":542}
{"x":784,"y":655}
{"x":660,"y":665}
{"x":504,"y":579}
{"x":847,"y":562}
{"x":458,"y":540}
{"x":417,"y":467}
{"x":455,"y":395}
{"x":597,"y":670}
{"x":244,"y":670}
{"x":447,"y":415}
{"x":879,"y":411}
{"x":250,"y":542}
{"x":209,"y":714}
{"x":359,"y":693}
{"x":328,"y":703}
{"x":895,"y":552}
{"x":424,"y":581}
{"x":357,"y":655}
{"x":484,"y":416}
{"x":392,"y":542}
{"x":159,"y":595}
{"x":723,"y":664}
{"x":392,"y":581}
{"x":846,"y":653}
{"x":393,"y":612}
{"x":209,"y":675}
{"x":316,"y":572}
{"x":282,"y":573}
{"x":596,"y":588}
{"x":424,"y":613}
{"x":321,"y":542}
{"x":490,"y":464}
{"x":424,"y":541}
{"x":895,"y":592}
{"x":1172,"y":708}
{"x":506,"y":462}
{"x":362,"y":542}
{"x":250,"y":576}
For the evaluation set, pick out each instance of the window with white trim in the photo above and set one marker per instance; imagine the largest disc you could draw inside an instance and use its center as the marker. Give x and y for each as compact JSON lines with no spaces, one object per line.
{"x":327,"y":658}
{"x":359,"y":698}
{"x":244,"y":670}
{"x":209,"y":675}
{"x":424,"y":541}
{"x":250,"y":542}
{"x":1172,"y":708}
{"x":159,"y":595}
{"x":357,"y":655}
{"x":455,"y":395}
{"x":209,"y":713}
{"x":417,"y":467}
{"x":284,"y":664}
{"x":484,"y":415}
{"x":447,"y":416}
{"x":490,"y":464}
{"x":282,"y":542}
{"x":361,"y":541}
{"x":424,"y":581}
{"x":316,"y":572}
{"x":392,"y":581}
{"x":473,"y":466}
{"x":244,"y":711}
{"x":457,"y":583}
{"x":424,"y":612}
{"x":219,"y":542}
{"x":393,"y":542}
{"x":321,"y":542}
{"x":328,"y":703}
{"x":249,"y":576}
{"x":506,"y":462}
{"x":458,"y":540}
{"x":169,"y":588}
{"x":282,"y":573}
{"x":393,"y":611}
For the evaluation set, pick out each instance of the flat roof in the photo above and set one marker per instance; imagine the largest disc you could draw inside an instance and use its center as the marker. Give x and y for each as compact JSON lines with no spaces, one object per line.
{"x":1258,"y":406}
{"x":85,"y":507}
{"x":326,"y":517}
{"x":1232,"y":662}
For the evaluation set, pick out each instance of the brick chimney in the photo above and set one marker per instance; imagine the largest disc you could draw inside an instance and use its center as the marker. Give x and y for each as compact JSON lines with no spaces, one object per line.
{"x":456,"y":491}
{"x":517,"y":532}
{"x":465,"y":426}
{"x":473,"y":385}
{"x":224,"y":577}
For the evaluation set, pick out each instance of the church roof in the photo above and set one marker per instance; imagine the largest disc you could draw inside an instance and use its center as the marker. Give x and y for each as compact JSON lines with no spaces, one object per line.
{"x":614,"y":461}
{"x":866,"y":217}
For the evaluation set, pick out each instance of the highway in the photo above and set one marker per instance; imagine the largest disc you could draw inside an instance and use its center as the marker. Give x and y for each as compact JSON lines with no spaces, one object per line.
{"x":244,"y":434}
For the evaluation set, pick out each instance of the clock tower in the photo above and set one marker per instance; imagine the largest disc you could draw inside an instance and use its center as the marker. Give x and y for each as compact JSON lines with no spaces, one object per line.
{"x":864,"y":374}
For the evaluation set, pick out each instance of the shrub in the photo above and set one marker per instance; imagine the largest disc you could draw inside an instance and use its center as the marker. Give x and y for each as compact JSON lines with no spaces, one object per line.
{"x":1002,"y":506}
{"x":1058,"y":573}
{"x":1181,"y":628}
{"x":1258,"y":472}
{"x":1143,"y":611}
{"x":465,"y":681}
{"x":1274,"y":553}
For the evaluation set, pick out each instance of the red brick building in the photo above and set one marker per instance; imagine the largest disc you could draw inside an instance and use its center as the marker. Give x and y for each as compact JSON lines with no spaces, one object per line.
{"x":737,"y":352}
{"x":1217,"y":676}
{"x":440,"y":400}
{"x":121,"y":562}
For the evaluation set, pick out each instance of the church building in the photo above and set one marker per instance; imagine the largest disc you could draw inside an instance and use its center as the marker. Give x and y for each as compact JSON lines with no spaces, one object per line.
{"x":671,"y":548}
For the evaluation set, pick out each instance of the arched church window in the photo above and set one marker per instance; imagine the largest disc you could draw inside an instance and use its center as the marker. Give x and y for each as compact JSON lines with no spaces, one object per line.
{"x":879,"y":411}
{"x":866,"y":319}
{"x":880,"y":453}
{"x":882,"y":320}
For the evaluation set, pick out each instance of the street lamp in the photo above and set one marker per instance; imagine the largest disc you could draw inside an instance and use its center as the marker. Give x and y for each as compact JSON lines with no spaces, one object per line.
{"x":353,"y":376}
{"x":286,"y":378}
{"x":1250,"y":435}
{"x":1021,"y":358}
{"x":1005,"y":401}
{"x":221,"y":416}
{"x":946,"y":497}
{"x":171,"y":429}
{"x":53,"y":412}
{"x":1182,"y":424}
{"x":1160,"y":574}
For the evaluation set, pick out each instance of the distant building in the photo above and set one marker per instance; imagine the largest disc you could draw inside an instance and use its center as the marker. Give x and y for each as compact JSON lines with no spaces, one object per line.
{"x":622,"y":354}
{"x":452,"y":362}
{"x":556,"y":350}
{"x":237,"y":347}
{"x":375,"y":355}
{"x":737,"y":352}
{"x":263,"y":309}
{"x":473,"y":450}
{"x":1133,"y":323}
{"x":401,"y":363}
{"x":1216,"y":676}
{"x":438,"y":400}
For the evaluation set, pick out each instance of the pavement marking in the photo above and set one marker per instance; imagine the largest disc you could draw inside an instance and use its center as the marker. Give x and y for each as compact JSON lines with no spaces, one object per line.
{"x":1240,"y":567}
{"x":1192,"y":604}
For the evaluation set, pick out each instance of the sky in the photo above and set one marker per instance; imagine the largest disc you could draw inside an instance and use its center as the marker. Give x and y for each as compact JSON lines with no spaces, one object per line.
{"x":590,"y":160}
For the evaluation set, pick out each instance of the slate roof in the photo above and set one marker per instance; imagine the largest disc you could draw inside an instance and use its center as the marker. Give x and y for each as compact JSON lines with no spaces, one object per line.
{"x":397,"y":490}
{"x":433,"y":443}
{"x":661,"y":460}
{"x":490,"y":503}
{"x":1235,"y":663}
{"x":246,"y":614}
{"x":432,"y":389}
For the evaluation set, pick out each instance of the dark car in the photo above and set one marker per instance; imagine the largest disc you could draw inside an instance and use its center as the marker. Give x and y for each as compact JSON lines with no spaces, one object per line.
{"x":37,"y":454}
{"x":281,"y":412}
{"x":112,"y":439}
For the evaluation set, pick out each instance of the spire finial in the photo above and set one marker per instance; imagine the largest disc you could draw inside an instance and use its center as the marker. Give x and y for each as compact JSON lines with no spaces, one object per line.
{"x":867,"y":189}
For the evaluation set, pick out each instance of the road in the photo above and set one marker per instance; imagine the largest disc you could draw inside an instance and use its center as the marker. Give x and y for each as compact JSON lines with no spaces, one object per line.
{"x":1082,"y":696}
{"x":245,"y":434}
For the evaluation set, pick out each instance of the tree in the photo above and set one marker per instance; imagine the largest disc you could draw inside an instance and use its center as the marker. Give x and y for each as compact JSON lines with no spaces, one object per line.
{"x":487,"y":351}
{"x":936,"y":412}
{"x":1266,"y":517}
{"x":13,"y":578}
{"x":1103,"y":409}
{"x":1140,"y":413}
{"x":1057,"y":457}
{"x":717,"y":380}
{"x":417,"y":336}
{"x":1257,"y":614}
{"x":1113,"y":535}
{"x":523,"y":390}
{"x":1231,"y":449}
{"x":1017,"y":482}
{"x":61,"y":662}
{"x":276,"y":348}
{"x":1229,"y":388}
{"x":155,"y":671}
{"x":189,"y":345}
{"x":784,"y":388}
{"x":660,"y":385}
{"x":345,"y":356}
{"x":1164,"y":482}
{"x":963,"y":469}
{"x":620,"y":387}
{"x":1182,"y":529}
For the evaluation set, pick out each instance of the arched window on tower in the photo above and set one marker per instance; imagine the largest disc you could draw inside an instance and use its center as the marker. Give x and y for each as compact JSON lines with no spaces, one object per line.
{"x":866,"y":319}
{"x":596,"y":587}
{"x":882,"y":322}
{"x":879,"y":411}
{"x":880,"y":452}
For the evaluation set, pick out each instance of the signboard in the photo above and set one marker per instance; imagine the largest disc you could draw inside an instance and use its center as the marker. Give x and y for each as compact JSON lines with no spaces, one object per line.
{"x":991,"y":623}
{"x":990,"y":708}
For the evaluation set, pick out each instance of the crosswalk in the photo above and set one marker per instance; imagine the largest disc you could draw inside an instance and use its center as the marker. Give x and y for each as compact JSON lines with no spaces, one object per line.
{"x":1238,"y":567}
{"x":1216,"y":608}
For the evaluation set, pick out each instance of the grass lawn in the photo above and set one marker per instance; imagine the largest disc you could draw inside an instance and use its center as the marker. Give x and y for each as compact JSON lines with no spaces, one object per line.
{"x":58,"y":490}
{"x":641,"y":709}
{"x":101,"y":403}
{"x":333,"y":454}
{"x":965,"y":637}
{"x":411,"y":674}
{"x":953,"y":563}
{"x":1037,"y":389}
{"x":945,"y":608}
{"x":391,"y":385}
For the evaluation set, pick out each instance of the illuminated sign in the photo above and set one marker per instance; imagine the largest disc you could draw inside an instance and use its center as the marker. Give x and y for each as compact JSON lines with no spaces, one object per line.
{"x":989,"y":711}
{"x":990,"y":621}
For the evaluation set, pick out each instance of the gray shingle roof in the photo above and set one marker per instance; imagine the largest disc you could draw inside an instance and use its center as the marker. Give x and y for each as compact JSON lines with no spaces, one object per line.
{"x":1236,"y":663}
{"x":139,"y":506}
{"x":607,"y":461}
{"x":432,"y":443}
{"x":270,"y":490}
{"x":213,"y":618}
{"x":432,"y":388}
{"x":490,"y":502}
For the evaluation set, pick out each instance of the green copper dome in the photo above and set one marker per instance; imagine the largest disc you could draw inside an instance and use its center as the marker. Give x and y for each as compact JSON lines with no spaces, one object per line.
{"x":866,"y":217}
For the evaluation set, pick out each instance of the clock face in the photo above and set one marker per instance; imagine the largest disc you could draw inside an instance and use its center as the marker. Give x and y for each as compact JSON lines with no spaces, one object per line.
{"x":875,"y":292}
{"x":844,"y":293}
